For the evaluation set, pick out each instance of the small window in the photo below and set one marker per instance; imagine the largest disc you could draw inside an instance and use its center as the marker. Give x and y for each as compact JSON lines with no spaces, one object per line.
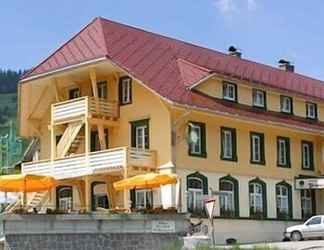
{"x":197,"y":138}
{"x":125,"y":90}
{"x":102,"y":89}
{"x":283,"y":152}
{"x":311,"y":110}
{"x":286,"y":104}
{"x":229,"y":91}
{"x":228,"y":144}
{"x":307,"y":155}
{"x":257,"y":148}
{"x":74,"y":93}
{"x":259,"y":98}
{"x":140,"y":134}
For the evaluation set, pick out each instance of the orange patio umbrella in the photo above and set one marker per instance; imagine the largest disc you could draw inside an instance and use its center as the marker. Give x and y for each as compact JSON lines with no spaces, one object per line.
{"x":150,"y":180}
{"x":26,"y":183}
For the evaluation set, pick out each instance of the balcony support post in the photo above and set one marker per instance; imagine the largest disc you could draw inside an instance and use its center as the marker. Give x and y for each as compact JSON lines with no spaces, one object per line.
{"x":125,"y":175}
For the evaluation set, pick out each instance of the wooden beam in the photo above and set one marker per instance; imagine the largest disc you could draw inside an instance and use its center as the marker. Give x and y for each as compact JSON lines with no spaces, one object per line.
{"x":36,"y":106}
{"x":56,"y":90}
{"x":102,"y":139}
{"x":105,"y":123}
{"x":93,"y":78}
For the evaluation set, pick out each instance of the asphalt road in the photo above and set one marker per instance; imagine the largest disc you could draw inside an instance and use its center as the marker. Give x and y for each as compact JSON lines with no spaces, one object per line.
{"x":290,"y":245}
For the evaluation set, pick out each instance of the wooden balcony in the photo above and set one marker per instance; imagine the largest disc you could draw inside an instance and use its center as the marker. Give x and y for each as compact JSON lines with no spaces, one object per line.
{"x":107,"y":161}
{"x":84,"y":107}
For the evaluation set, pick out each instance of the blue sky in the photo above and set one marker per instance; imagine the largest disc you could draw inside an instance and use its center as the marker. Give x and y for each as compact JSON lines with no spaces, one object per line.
{"x":265,"y":30}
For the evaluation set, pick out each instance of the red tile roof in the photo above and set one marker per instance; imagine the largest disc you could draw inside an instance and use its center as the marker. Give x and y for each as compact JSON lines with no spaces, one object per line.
{"x":168,"y":66}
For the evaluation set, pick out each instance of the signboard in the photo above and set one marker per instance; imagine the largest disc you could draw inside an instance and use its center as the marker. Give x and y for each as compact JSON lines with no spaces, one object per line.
{"x":163,"y":226}
{"x":309,"y":183}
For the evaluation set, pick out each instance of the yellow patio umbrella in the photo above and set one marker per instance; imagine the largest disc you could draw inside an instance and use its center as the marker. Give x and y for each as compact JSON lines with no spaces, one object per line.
{"x":26,"y":183}
{"x":150,"y":180}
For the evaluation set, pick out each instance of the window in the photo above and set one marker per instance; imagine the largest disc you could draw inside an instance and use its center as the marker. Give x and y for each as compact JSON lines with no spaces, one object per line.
{"x":307,"y":155}
{"x":258,"y":200}
{"x":314,"y":221}
{"x":140,"y":134}
{"x":197,"y":139}
{"x":64,"y":198}
{"x":144,"y":198}
{"x":257,"y":148}
{"x":102,"y":89}
{"x":229,"y":91}
{"x":283,"y":152}
{"x":284,"y":200}
{"x":95,"y":142}
{"x":229,"y":200}
{"x":307,"y":203}
{"x":311,"y":110}
{"x":74,"y":93}
{"x":125,"y":90}
{"x":259,"y":98}
{"x":197,"y":187}
{"x":286,"y":104}
{"x":99,"y":195}
{"x":228,"y":144}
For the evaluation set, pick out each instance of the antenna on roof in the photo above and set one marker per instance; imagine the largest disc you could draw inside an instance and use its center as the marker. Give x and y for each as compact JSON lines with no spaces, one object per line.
{"x":233,"y":51}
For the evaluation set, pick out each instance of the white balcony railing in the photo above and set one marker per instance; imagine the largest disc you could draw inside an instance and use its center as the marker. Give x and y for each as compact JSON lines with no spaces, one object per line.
{"x":97,"y":162}
{"x":84,"y":106}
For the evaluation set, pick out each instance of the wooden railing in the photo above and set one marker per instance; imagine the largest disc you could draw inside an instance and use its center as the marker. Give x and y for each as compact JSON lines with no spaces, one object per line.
{"x":96,"y":162}
{"x":84,"y":106}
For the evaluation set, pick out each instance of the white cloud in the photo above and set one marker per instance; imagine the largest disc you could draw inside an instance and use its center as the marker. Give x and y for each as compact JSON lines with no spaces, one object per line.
{"x":229,"y":7}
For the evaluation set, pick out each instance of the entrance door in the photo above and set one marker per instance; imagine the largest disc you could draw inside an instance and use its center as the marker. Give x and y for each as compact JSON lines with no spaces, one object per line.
{"x":99,"y":196}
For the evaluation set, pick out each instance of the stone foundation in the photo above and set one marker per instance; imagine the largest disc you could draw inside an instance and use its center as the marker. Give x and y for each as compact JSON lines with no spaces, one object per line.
{"x":93,"y":232}
{"x":90,"y":241}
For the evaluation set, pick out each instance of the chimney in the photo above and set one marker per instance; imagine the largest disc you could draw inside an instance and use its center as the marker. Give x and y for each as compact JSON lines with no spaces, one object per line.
{"x":232,"y":51}
{"x":286,"y":65}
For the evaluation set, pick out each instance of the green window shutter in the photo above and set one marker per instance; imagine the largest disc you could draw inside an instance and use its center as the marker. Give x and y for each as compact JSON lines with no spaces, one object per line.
{"x":236,"y":97}
{"x":224,"y":88}
{"x":262,"y":149}
{"x":133,"y":198}
{"x":288,"y":151}
{"x":234,"y":144}
{"x":203,"y":140}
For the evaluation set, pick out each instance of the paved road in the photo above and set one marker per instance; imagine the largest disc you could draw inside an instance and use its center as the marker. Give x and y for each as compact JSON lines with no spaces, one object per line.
{"x":301,"y":245}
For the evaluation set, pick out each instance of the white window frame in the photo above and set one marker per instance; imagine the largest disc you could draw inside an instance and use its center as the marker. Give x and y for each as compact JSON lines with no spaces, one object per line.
{"x":256,"y":148}
{"x":196,"y":145}
{"x":256,"y":198}
{"x":306,"y":155}
{"x":306,"y":202}
{"x":126,"y":90}
{"x":102,"y":90}
{"x":259,"y":98}
{"x":282,"y":152}
{"x":229,"y":91}
{"x":227,"y":144}
{"x":195,"y":193}
{"x":146,"y":193}
{"x":286,"y":104}
{"x":282,"y":199}
{"x":227,"y":197}
{"x":140,"y":138}
{"x":311,"y":110}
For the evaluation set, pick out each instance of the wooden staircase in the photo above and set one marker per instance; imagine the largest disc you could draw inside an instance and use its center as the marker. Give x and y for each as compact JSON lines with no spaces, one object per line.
{"x":37,"y":200}
{"x":67,"y":139}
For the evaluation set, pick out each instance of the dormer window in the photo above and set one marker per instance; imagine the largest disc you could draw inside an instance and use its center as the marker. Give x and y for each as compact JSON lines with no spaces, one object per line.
{"x":286,"y":104}
{"x":311,"y":110}
{"x":230,"y":91}
{"x":259,"y":98}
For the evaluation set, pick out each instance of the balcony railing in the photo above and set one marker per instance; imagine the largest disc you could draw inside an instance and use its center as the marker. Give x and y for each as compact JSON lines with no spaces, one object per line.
{"x":96,"y":162}
{"x":84,"y":106}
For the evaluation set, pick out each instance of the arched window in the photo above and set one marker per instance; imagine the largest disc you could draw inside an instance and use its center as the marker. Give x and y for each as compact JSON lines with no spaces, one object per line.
{"x":64,"y":198}
{"x":258,"y":199}
{"x":229,"y":199}
{"x":284,"y":200}
{"x":99,"y":196}
{"x":197,"y":187}
{"x":307,"y":203}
